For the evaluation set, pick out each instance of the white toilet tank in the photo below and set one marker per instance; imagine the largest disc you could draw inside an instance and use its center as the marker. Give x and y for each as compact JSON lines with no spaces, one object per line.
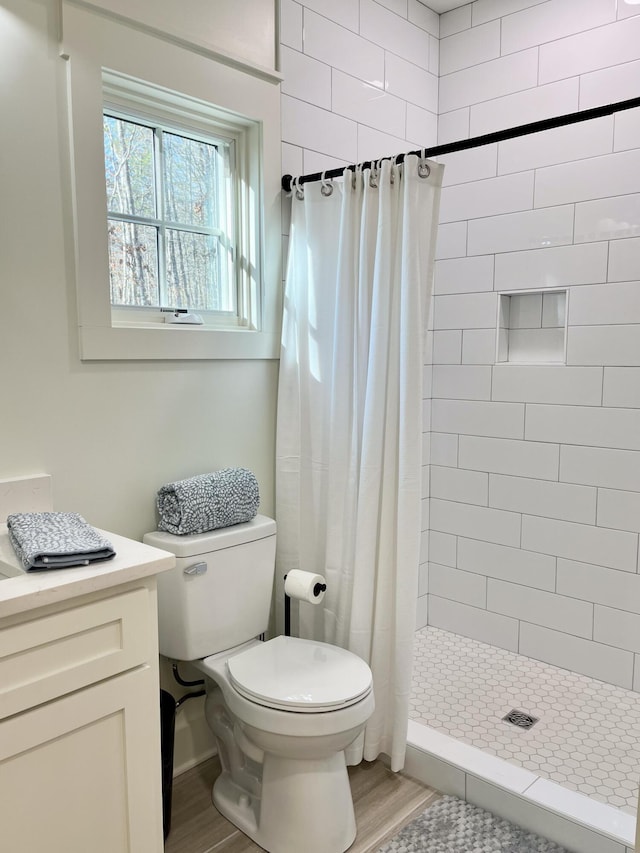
{"x":219,"y":594}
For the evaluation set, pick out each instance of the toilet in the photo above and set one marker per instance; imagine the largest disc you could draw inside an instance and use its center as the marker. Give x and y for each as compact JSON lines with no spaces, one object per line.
{"x":282,"y":711}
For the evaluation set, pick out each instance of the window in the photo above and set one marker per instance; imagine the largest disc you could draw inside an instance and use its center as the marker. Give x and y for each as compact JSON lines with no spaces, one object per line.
{"x":179,"y":175}
{"x":171,"y":213}
{"x":175,"y":171}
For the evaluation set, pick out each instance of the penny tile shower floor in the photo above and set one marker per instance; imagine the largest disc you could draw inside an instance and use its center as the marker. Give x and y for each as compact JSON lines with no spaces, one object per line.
{"x":588,"y":734}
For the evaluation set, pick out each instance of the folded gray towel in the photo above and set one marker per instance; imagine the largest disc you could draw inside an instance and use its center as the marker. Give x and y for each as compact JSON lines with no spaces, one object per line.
{"x":56,"y":540}
{"x":208,"y":501}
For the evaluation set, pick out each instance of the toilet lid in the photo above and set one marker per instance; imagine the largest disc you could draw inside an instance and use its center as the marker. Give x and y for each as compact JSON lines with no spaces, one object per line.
{"x":300,"y":675}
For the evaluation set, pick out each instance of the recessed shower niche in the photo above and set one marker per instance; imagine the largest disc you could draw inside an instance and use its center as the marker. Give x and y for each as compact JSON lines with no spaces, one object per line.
{"x":532,"y":327}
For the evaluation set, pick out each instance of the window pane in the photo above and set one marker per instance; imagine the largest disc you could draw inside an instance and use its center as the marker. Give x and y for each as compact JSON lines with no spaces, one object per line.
{"x":133,"y":263}
{"x":193,"y":272}
{"x":190,"y":181}
{"x":128,"y":155}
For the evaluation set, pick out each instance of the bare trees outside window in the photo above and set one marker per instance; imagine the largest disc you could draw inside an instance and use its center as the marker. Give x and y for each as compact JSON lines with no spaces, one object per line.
{"x":170,"y":218}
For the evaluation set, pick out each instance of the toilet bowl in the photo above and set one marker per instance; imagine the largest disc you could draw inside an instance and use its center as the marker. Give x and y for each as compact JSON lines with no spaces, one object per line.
{"x":282,"y":711}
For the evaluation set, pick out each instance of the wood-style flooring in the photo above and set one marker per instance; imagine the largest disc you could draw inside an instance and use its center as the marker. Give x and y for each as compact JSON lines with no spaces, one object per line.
{"x":383,"y":801}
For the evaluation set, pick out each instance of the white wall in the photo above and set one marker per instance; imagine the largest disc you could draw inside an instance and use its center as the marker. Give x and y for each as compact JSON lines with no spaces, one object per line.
{"x":110,"y":434}
{"x":360,"y":81}
{"x":535,"y":470}
{"x":243,"y":29}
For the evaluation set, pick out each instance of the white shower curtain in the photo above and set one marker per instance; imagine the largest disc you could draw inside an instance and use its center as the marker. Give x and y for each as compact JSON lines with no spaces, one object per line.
{"x":349,"y":430}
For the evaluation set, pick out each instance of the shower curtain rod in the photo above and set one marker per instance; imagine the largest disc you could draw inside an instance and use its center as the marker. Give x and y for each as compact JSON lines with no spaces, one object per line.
{"x":477,"y":141}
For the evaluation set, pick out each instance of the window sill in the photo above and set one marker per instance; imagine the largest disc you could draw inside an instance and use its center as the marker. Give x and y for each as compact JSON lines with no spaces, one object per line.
{"x":109,"y":343}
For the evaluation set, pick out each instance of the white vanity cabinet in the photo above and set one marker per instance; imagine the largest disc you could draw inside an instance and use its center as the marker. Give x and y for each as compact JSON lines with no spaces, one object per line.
{"x":80,"y":764}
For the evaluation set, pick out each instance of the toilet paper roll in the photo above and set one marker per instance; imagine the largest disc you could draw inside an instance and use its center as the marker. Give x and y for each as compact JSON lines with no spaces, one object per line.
{"x":305,"y":586}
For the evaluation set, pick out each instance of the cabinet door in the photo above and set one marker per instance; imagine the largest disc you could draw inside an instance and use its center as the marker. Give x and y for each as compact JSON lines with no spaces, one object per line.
{"x":83,"y":773}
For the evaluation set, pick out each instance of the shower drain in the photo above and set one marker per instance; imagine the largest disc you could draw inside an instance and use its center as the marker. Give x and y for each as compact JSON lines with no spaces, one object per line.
{"x":520,"y":719}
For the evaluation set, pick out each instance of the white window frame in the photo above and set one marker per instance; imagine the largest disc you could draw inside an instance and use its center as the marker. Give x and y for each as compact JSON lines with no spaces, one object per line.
{"x":110,"y":64}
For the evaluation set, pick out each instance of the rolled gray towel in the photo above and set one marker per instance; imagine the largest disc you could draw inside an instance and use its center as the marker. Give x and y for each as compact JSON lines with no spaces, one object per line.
{"x":208,"y":501}
{"x":56,"y":540}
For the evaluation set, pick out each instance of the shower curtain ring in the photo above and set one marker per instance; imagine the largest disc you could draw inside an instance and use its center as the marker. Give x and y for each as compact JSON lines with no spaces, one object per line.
{"x":373,"y":175}
{"x":393,"y":170}
{"x":326,"y":187}
{"x":299,"y":189}
{"x":424,"y":169}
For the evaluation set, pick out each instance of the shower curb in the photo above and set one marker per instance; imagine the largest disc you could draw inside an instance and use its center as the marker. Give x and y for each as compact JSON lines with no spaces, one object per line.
{"x":566,"y":817}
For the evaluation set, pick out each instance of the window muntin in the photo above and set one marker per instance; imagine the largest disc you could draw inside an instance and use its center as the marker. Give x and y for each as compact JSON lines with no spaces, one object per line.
{"x":171,"y":216}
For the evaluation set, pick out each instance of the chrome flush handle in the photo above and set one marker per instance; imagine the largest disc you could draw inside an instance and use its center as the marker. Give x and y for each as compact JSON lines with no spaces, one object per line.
{"x":196,"y":569}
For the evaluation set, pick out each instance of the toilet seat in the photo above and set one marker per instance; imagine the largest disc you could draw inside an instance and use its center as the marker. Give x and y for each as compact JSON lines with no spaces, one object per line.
{"x":303,"y":676}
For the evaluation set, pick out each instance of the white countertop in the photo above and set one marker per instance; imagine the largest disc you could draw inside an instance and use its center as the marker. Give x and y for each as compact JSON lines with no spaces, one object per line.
{"x":22,"y":591}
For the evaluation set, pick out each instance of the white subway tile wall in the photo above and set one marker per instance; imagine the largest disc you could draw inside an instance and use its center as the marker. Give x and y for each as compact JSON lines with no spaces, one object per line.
{"x":533,"y":470}
{"x":530,"y":105}
{"x":556,"y":267}
{"x":562,"y":565}
{"x":592,"y":50}
{"x":626,"y":130}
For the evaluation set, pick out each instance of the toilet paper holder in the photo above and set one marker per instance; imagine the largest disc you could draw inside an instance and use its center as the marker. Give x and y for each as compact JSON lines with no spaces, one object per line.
{"x":318,"y":589}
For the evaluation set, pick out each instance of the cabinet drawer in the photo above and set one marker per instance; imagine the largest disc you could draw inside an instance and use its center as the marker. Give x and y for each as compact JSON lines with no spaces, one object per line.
{"x":56,"y":654}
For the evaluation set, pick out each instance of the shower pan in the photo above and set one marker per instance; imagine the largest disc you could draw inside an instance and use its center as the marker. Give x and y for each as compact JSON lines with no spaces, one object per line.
{"x":565,"y":765}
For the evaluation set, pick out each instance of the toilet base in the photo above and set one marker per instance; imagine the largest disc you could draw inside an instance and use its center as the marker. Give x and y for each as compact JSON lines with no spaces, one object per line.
{"x":306,"y":805}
